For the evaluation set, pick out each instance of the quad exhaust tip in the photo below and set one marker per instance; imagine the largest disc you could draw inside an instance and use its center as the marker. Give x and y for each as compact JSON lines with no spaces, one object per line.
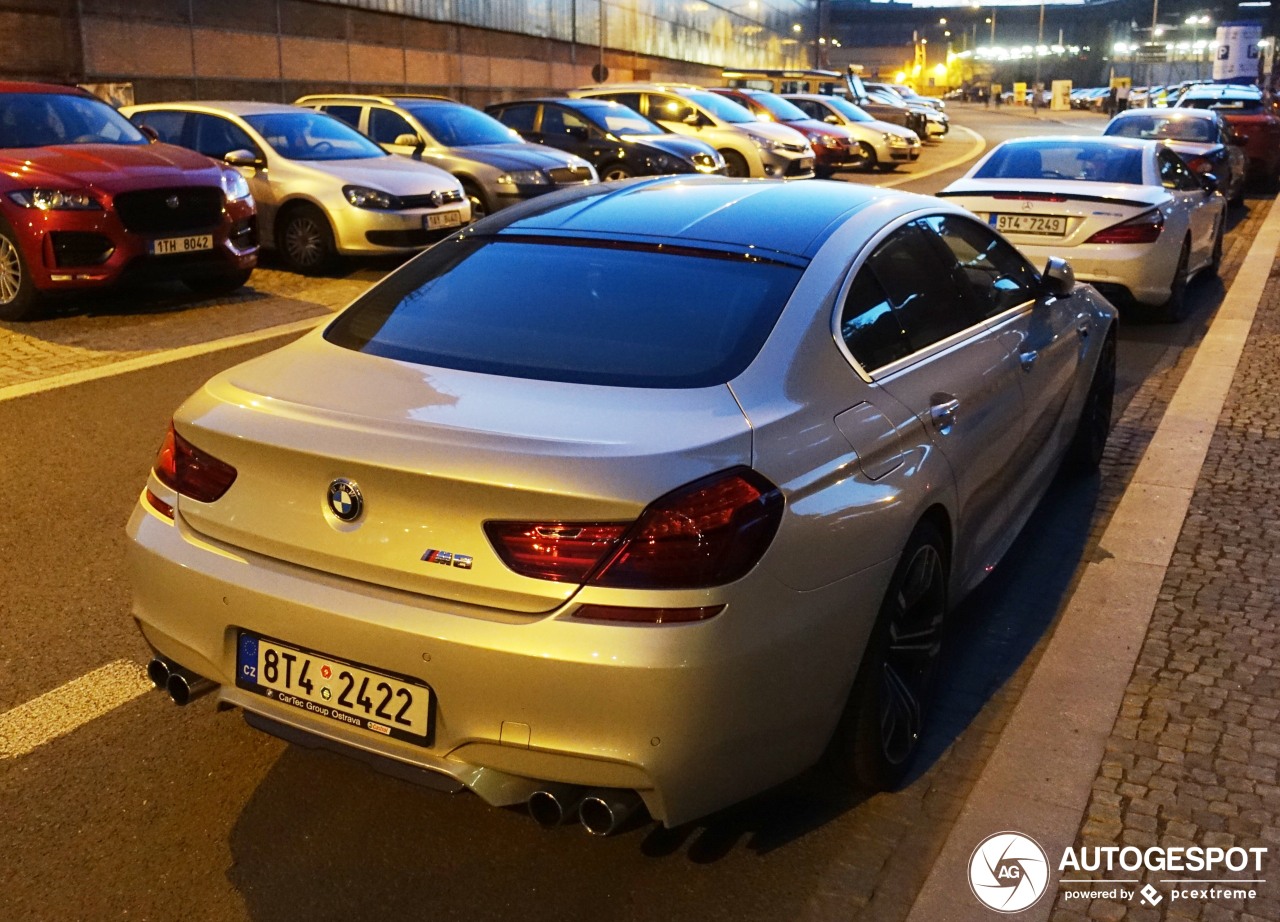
{"x":553,"y":804}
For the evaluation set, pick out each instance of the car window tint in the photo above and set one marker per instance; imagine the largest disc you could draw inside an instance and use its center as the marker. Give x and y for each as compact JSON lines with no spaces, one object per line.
{"x":630,"y":100}
{"x":215,"y":136}
{"x":1174,"y":173}
{"x":809,"y":108}
{"x":574,"y":311}
{"x":558,"y":121}
{"x":385,"y":126}
{"x":167,"y":124}
{"x":868,"y":325}
{"x":669,"y":109}
{"x":1073,"y":160}
{"x":999,"y":277}
{"x":518,"y":117}
{"x":348,"y":114}
{"x":921,"y":287}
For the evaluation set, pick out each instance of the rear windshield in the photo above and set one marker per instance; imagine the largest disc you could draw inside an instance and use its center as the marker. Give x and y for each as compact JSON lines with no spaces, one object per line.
{"x":1072,"y":160}
{"x":1223,"y":103}
{"x":586,"y":312}
{"x":1164,"y":128}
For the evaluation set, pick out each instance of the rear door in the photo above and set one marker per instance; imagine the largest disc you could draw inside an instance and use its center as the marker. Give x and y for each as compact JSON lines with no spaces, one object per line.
{"x":909,"y":323}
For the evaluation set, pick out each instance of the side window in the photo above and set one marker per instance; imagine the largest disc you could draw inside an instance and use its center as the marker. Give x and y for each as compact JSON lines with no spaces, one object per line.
{"x":903,"y":299}
{"x":348,"y":114}
{"x":921,"y":286}
{"x":215,"y":136}
{"x":668,"y":108}
{"x":811,"y":109}
{"x":518,"y":117}
{"x":1174,"y":173}
{"x":630,"y":100}
{"x":997,"y":274}
{"x":167,"y":124}
{"x":868,"y":324}
{"x":385,"y":126}
{"x":558,"y":121}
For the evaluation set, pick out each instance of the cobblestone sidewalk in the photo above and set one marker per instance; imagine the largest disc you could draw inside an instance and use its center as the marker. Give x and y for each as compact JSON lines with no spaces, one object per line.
{"x":1193,"y":754}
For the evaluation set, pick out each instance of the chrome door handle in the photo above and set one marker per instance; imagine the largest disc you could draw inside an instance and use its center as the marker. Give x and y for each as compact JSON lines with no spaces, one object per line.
{"x":943,"y":415}
{"x":1028,"y":359}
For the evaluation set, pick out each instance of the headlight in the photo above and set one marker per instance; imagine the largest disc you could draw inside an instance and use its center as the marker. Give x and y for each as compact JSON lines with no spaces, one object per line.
{"x":364,"y":197}
{"x":523,"y":178}
{"x":764,"y":143}
{"x":896,"y":140}
{"x":55,"y":200}
{"x":829,"y":140}
{"x":234,"y":186}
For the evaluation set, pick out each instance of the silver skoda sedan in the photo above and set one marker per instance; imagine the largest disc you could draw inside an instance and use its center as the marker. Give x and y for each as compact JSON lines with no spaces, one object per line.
{"x":321,"y":187}
{"x":652,"y":492}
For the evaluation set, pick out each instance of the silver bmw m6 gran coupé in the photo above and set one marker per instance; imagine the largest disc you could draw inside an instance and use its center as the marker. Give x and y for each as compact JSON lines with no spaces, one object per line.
{"x":654,"y":492}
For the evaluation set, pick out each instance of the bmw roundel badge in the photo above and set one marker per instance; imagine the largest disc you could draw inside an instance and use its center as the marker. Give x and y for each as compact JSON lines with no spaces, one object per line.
{"x":345,"y":500}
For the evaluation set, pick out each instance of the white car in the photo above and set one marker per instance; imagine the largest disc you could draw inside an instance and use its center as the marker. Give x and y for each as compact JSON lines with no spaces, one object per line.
{"x":322,"y":188}
{"x":884,"y":144}
{"x":749,"y":147}
{"x":1130,"y":215}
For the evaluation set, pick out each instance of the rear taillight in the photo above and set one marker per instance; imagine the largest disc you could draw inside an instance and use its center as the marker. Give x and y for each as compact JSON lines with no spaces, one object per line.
{"x":1145,"y":228}
{"x":707,"y":533}
{"x":1201,"y":164}
{"x":182,"y":467}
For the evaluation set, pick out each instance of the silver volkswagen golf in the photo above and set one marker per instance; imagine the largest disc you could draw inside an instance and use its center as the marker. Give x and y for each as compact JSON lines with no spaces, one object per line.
{"x":648,"y":493}
{"x":321,"y":187}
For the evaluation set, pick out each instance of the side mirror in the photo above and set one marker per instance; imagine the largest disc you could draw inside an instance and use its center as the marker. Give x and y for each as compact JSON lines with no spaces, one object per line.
{"x":245,"y":158}
{"x":409,"y":140}
{"x":832,"y":120}
{"x":694,"y":119}
{"x":1058,"y":279}
{"x":150,"y":133}
{"x":1209,"y":182}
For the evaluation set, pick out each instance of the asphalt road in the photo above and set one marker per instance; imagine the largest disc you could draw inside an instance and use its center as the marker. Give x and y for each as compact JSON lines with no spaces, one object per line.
{"x":150,"y":812}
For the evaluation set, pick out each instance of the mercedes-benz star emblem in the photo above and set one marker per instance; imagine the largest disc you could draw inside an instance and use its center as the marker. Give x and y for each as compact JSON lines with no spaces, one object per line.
{"x":345,"y":500}
{"x":172,"y":201}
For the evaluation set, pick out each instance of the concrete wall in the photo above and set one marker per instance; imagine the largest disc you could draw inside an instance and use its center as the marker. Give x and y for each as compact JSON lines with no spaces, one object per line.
{"x":278,"y":50}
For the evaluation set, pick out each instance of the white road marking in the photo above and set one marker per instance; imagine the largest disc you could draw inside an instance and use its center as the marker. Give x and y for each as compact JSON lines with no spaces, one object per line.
{"x":69,"y":707}
{"x":979,"y":144}
{"x":153,"y":359}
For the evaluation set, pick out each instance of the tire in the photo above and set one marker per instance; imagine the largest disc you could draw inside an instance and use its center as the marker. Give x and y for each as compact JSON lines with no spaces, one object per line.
{"x":305,"y":240}
{"x":1215,"y":261}
{"x":1174,"y":309}
{"x":1085,"y":452}
{"x":735,"y":164}
{"x":19,"y":299}
{"x":479,"y":204}
{"x":886,"y":167}
{"x":869,"y":160}
{"x":615,"y":172}
{"x":879,"y":733}
{"x":222,"y":284}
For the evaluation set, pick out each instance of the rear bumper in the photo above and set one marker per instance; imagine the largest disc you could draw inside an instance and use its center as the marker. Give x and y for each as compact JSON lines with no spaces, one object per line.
{"x":1144,"y":270}
{"x":694,"y":717}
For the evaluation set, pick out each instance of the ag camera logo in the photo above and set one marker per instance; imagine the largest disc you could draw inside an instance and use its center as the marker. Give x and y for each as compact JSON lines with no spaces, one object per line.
{"x":1008,"y":872}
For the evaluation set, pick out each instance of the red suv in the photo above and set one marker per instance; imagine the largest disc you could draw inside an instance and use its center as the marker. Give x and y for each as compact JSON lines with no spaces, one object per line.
{"x":834,"y":148}
{"x":87,"y":200}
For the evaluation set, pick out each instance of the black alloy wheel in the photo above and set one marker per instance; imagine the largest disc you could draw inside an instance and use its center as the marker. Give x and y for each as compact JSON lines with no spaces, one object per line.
{"x":615,"y":172}
{"x":884,"y":719}
{"x":1090,"y":439}
{"x":1175,"y":309}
